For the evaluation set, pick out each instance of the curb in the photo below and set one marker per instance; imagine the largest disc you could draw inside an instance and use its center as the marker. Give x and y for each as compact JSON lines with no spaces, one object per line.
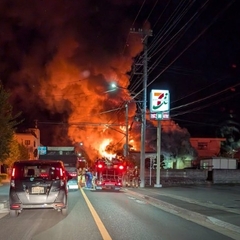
{"x":3,"y":207}
{"x":225,"y":228}
{"x":4,"y":210}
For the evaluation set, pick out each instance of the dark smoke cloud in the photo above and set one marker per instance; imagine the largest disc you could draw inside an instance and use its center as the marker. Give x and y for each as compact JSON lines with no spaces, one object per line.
{"x":58,"y":58}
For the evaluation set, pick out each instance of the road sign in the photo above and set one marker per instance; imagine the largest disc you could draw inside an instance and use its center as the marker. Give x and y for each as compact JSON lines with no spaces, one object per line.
{"x":42,"y":150}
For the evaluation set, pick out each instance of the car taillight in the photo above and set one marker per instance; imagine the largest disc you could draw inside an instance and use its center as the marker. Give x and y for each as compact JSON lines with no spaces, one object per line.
{"x":13,"y":172}
{"x":73,"y":174}
{"x":61,"y":172}
{"x":43,"y":175}
{"x":15,"y":206}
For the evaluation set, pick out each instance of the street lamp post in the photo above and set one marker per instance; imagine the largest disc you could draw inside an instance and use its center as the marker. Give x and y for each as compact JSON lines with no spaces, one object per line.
{"x":126,"y":145}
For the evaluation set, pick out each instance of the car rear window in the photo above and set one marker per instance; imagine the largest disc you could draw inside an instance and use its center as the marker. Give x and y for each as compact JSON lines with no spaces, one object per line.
{"x":71,"y":169}
{"x":42,"y":171}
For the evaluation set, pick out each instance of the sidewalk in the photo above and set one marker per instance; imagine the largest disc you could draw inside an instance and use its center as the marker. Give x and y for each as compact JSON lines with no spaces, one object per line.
{"x":213,"y":206}
{"x":4,"y":198}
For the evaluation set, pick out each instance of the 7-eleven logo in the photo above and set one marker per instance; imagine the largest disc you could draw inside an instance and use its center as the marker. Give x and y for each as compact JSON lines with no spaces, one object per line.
{"x":159,"y":100}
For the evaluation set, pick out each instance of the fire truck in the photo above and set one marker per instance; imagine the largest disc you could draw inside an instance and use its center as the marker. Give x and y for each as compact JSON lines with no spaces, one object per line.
{"x":109,"y":174}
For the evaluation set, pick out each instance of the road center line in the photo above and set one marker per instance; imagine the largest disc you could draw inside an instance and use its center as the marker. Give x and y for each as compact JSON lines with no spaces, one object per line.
{"x":98,"y":221}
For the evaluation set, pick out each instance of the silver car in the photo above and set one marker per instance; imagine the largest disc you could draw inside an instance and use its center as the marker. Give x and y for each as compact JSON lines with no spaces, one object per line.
{"x":38,"y":184}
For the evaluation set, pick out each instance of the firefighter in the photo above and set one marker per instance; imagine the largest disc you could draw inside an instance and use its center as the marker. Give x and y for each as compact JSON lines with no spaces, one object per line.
{"x":89,"y":177}
{"x":79,"y":177}
{"x":82,"y":178}
{"x":135,"y":179}
{"x":126,"y":177}
{"x":94,"y":179}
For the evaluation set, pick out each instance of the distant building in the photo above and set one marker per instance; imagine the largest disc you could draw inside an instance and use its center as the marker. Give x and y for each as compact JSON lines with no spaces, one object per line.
{"x":207,"y":147}
{"x":31,"y":140}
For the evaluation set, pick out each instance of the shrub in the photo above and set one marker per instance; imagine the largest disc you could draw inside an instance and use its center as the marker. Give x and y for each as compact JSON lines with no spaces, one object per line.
{"x":3,"y":176}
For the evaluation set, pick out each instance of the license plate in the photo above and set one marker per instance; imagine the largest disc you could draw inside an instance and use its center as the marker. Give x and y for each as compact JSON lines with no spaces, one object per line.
{"x":37,"y":189}
{"x":109,"y":184}
{"x":73,"y":186}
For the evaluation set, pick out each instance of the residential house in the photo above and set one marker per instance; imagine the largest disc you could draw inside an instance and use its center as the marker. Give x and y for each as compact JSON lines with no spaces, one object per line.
{"x":31,"y":140}
{"x":206,"y":147}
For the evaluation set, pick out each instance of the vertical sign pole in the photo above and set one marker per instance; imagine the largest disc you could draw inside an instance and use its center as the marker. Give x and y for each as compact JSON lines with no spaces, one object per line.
{"x":150,"y":180}
{"x":158,"y":155}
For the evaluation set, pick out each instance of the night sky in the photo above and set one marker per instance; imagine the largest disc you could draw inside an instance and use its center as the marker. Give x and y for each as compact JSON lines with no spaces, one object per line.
{"x":57,"y":58}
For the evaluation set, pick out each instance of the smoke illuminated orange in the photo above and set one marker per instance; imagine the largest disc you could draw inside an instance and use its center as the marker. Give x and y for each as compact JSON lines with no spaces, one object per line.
{"x":83,"y":93}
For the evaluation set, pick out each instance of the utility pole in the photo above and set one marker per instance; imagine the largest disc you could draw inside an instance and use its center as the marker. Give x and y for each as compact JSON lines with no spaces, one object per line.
{"x":145,"y":34}
{"x":126,"y":143}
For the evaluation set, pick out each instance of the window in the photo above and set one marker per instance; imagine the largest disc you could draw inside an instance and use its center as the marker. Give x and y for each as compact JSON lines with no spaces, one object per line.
{"x":202,"y":145}
{"x":27,"y":142}
{"x":49,"y":172}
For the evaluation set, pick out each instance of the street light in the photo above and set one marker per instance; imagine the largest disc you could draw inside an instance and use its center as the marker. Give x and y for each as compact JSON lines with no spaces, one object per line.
{"x":126,"y":145}
{"x":114,"y":86}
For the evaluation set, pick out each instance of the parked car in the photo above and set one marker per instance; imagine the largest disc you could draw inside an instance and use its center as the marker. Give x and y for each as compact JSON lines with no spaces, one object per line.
{"x":38,"y":184}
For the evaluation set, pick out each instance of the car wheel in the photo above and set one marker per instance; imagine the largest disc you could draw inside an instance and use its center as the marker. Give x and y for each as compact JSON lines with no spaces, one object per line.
{"x":64,"y":211}
{"x":13,"y":213}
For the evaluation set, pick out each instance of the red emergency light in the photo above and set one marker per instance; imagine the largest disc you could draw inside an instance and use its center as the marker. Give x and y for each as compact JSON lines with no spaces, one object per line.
{"x":121,"y":167}
{"x":100,"y":165}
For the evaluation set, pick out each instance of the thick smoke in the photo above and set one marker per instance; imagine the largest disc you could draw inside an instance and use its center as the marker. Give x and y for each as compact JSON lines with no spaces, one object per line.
{"x":58,"y":59}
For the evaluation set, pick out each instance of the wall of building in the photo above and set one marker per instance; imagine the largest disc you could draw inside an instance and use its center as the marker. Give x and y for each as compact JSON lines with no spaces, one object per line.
{"x":30,"y":141}
{"x":36,"y":132}
{"x":207,"y":147}
{"x":177,"y":176}
{"x":226,"y":176}
{"x":192,"y":176}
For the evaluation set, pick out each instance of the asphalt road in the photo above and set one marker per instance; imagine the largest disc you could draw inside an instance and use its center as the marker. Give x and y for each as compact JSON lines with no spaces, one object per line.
{"x":107,"y":215}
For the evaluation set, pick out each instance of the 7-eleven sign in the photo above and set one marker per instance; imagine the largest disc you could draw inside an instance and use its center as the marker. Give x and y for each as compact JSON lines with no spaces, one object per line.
{"x":159,"y":101}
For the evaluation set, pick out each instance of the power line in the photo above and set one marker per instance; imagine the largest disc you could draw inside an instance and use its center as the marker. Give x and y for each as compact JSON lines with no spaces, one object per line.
{"x":156,"y":41}
{"x":205,"y":106}
{"x":150,"y":12}
{"x":205,"y":98}
{"x":200,"y":90}
{"x":188,"y":46}
{"x":160,"y":15}
{"x":132,"y":26}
